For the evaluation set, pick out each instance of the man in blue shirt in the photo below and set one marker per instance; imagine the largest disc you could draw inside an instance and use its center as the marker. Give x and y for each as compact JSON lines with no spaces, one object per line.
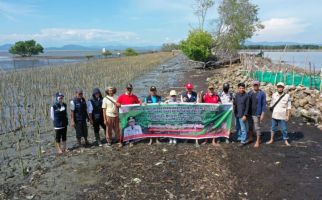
{"x":257,"y":109}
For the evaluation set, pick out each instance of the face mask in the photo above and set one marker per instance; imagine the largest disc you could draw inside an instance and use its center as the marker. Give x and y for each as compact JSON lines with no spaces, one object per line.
{"x":131,"y":123}
{"x":172,"y":98}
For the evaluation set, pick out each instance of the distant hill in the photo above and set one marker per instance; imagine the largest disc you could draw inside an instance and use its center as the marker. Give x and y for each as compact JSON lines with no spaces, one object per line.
{"x":5,"y":47}
{"x":248,"y":43}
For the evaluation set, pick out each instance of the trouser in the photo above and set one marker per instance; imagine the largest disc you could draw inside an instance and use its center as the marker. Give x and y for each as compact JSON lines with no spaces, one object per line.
{"x":283,"y":126}
{"x":96,"y":125}
{"x":113,"y":123}
{"x":81,"y":129}
{"x":61,"y":135}
{"x":254,"y":124}
{"x":241,"y":130}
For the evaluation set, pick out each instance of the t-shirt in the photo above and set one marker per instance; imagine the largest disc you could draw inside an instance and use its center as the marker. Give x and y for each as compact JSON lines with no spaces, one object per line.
{"x":126,"y":99}
{"x":111,"y":109}
{"x":207,"y":98}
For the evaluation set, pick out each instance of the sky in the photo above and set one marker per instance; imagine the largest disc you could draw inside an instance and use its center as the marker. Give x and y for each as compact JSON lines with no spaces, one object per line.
{"x":144,"y":22}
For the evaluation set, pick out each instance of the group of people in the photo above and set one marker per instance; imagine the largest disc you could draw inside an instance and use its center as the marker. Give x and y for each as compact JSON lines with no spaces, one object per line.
{"x":103,"y":112}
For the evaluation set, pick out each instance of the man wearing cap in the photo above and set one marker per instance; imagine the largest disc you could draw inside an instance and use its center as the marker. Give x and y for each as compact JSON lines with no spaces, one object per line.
{"x":257,"y":100}
{"x":97,"y":114}
{"x":111,"y":116}
{"x":132,"y":128}
{"x":189,"y":96}
{"x":58,"y":113}
{"x":281,"y":108}
{"x":210,"y":97}
{"x":153,"y":98}
{"x":80,"y":110}
{"x":128,"y":97}
{"x":241,"y":110}
{"x":172,"y":99}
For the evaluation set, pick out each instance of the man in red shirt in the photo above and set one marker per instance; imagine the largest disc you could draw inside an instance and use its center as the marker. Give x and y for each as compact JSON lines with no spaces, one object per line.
{"x":210,"y":97}
{"x":128,"y":98}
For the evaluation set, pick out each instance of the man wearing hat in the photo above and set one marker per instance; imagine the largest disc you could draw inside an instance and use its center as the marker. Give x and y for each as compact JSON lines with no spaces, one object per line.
{"x":281,"y":108}
{"x":128,"y":97}
{"x":172,"y":99}
{"x":111,"y":116}
{"x":257,"y":109}
{"x":58,"y":113}
{"x":189,"y":96}
{"x":153,"y":98}
{"x":80,"y":110}
{"x":132,"y":128}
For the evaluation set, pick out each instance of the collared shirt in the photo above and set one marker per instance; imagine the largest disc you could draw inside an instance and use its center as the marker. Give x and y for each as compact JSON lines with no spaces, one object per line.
{"x":241,"y":105}
{"x":132,"y":130}
{"x":111,"y":109}
{"x":282,"y":107}
{"x":126,"y":99}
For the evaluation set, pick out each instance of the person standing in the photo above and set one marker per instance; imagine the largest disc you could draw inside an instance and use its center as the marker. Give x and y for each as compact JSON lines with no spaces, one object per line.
{"x":257,"y":99}
{"x":172,"y":99}
{"x":190,"y":96}
{"x":225,"y":95}
{"x":241,"y":110}
{"x":128,"y":98}
{"x":80,"y":110}
{"x":210,"y":97}
{"x":281,"y":108}
{"x":153,"y":98}
{"x":58,"y":113}
{"x":111,"y":116}
{"x":97,"y":114}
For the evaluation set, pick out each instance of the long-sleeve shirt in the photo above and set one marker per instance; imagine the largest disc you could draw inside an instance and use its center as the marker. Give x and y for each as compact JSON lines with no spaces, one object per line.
{"x":241,"y":105}
{"x":257,"y":102}
{"x":282,"y":107}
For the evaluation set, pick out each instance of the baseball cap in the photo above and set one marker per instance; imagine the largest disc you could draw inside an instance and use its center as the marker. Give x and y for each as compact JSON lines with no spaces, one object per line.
{"x":255,"y":82}
{"x":189,"y":86}
{"x":173,"y":93}
{"x":129,"y":85}
{"x":280,"y":84}
{"x":59,"y":94}
{"x":131,"y":119}
{"x":153,"y":88}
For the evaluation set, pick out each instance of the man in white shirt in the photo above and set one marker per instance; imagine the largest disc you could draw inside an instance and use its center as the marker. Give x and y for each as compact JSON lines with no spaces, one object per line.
{"x":281,"y":105}
{"x":132,"y":129}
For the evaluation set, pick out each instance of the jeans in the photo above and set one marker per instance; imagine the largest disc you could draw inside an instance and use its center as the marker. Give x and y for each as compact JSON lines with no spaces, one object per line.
{"x":283,"y":126}
{"x":241,"y":129}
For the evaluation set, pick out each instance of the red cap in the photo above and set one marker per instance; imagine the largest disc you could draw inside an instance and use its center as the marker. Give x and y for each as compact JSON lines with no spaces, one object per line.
{"x":189,"y":86}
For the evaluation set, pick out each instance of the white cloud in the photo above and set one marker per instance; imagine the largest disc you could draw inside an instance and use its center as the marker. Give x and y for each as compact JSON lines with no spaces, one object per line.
{"x":67,"y":36}
{"x":278,"y":29}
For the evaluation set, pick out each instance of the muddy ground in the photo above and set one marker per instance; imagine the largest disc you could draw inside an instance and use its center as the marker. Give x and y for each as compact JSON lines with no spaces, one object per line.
{"x":170,"y":172}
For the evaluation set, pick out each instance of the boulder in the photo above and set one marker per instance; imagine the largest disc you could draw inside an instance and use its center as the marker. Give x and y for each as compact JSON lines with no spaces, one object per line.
{"x":302,"y":102}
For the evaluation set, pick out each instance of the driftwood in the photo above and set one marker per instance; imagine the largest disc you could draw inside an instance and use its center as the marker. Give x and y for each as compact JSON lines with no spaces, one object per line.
{"x":222,"y":62}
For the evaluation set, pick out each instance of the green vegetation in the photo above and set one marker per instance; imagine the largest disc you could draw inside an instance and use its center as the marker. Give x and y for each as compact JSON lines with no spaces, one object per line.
{"x":89,"y":57}
{"x":168,"y":47}
{"x":198,"y":45}
{"x":130,"y":52}
{"x":26,"y":48}
{"x":237,"y":22}
{"x":282,"y":47}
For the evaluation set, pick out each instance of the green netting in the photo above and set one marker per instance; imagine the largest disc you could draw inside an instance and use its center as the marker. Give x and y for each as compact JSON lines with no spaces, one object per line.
{"x":288,"y":78}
